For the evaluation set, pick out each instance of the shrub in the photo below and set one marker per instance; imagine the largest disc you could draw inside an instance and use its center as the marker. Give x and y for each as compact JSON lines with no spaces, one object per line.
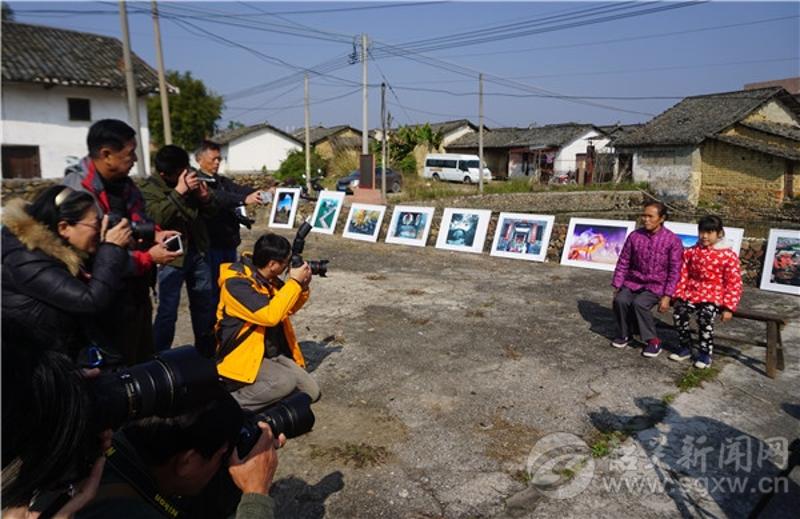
{"x":294,"y":166}
{"x":408,"y":165}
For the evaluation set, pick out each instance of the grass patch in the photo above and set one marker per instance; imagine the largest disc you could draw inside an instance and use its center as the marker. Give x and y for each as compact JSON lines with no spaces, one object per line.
{"x":415,"y":292}
{"x":376,"y":277}
{"x":668,"y":398}
{"x":522,"y":476}
{"x":696,"y":378}
{"x":510,"y":352}
{"x":420,"y":321}
{"x":475,"y":313}
{"x":515,"y":185}
{"x":359,"y":454}
{"x":606,"y":443}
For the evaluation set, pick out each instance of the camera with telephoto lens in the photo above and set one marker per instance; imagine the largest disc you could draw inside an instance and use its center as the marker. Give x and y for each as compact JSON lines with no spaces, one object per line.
{"x":173,"y":382}
{"x":318,"y":267}
{"x":241,"y":216}
{"x":291,"y":417}
{"x":143,"y":232}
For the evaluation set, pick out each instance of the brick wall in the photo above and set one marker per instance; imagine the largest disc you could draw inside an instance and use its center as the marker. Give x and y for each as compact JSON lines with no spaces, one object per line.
{"x":734,"y":175}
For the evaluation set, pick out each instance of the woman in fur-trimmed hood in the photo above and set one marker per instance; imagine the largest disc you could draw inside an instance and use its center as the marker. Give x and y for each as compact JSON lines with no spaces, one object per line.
{"x":47,"y":285}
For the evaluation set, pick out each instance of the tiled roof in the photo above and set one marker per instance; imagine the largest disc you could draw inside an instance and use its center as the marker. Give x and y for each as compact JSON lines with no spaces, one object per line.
{"x":699,"y":117}
{"x":782,"y":130}
{"x":548,"y":136}
{"x":787,"y":152}
{"x":39,"y":54}
{"x":320,"y":133}
{"x":229,"y":136}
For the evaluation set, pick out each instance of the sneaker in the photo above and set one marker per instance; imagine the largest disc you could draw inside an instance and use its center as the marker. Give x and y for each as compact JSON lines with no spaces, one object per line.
{"x":620,"y":342}
{"x":681,"y":354}
{"x":652,"y":349}
{"x":702,"y":361}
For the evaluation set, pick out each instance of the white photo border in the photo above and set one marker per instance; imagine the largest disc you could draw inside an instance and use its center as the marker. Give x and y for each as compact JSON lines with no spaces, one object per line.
{"x":769,"y":256}
{"x":484,"y":215}
{"x":630,"y":225}
{"x":292,"y":212}
{"x":364,"y":237}
{"x":548,"y":219}
{"x":733,"y":235}
{"x":398,"y":209}
{"x":327,"y":194}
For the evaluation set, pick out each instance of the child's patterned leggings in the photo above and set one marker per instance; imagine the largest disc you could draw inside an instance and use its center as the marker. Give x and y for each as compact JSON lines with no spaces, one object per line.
{"x":706,"y":313}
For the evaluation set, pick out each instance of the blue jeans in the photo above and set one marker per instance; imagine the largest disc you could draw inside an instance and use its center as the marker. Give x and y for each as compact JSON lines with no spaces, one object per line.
{"x":197,"y":274}
{"x":217,"y":257}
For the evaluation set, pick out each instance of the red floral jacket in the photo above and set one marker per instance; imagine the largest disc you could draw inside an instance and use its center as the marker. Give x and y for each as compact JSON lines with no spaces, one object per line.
{"x":710,"y":275}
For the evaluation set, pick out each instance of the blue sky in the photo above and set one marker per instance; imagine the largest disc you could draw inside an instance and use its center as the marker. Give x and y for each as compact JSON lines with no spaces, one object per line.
{"x":659,"y":57}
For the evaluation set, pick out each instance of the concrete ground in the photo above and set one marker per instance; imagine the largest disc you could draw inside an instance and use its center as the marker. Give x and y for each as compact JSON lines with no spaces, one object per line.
{"x":446,"y":378}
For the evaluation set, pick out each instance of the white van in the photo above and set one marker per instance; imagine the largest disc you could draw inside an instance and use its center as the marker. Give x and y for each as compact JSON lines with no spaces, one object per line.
{"x":451,"y":166}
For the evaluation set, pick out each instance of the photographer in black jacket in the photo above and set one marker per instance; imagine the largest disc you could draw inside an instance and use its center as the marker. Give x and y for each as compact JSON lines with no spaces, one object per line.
{"x":223,"y":228}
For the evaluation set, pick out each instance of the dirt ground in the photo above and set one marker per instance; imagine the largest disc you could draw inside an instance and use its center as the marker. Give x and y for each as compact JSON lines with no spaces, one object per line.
{"x":440,"y":371}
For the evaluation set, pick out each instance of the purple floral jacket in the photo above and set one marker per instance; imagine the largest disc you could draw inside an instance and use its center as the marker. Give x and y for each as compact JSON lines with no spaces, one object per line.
{"x":650,"y":261}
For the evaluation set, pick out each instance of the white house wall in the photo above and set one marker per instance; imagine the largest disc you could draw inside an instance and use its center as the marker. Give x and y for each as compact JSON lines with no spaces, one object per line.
{"x":673,"y":173}
{"x":252,"y":152}
{"x":35,"y":116}
{"x":565,"y":159}
{"x":455,"y":135}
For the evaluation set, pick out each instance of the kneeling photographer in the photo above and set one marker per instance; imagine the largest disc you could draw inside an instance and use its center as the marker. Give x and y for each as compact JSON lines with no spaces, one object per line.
{"x":258,"y":355}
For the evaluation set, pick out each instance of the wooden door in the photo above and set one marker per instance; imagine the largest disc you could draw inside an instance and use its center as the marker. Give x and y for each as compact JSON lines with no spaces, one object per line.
{"x":21,"y":162}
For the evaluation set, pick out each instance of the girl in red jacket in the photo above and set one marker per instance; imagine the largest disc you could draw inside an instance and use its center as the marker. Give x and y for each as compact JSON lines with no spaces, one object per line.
{"x":710,"y":284}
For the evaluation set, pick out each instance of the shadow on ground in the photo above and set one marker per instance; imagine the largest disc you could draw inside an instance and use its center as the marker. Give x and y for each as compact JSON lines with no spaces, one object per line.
{"x":316,"y":352}
{"x":296,"y":498}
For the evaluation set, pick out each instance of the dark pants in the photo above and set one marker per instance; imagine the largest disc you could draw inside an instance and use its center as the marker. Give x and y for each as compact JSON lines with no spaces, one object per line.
{"x":706,"y":313}
{"x":637,"y":307}
{"x":217,"y":257}
{"x":197,"y":275}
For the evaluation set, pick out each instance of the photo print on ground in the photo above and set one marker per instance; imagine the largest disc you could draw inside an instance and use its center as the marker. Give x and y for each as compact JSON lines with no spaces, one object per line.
{"x":410,"y":225}
{"x":463,"y":230}
{"x":326,"y":213}
{"x":284,"y":207}
{"x":688,"y":234}
{"x":364,"y":222}
{"x":594,"y":243}
{"x":781,"y":271}
{"x":522,"y":236}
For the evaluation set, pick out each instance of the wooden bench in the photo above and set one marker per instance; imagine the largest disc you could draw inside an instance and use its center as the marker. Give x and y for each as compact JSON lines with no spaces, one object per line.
{"x":774,"y":343}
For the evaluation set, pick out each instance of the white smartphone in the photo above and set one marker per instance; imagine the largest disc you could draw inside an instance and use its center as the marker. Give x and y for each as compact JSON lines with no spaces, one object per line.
{"x":174,"y":244}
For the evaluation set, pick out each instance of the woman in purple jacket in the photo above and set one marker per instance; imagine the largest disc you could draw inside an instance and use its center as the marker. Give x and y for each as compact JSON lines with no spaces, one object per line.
{"x":647,"y":273}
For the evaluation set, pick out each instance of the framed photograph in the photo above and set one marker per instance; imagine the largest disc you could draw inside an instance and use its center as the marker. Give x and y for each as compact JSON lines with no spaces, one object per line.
{"x":364,"y":222}
{"x":326,"y":214}
{"x":688,"y":234}
{"x":782,"y":262}
{"x":284,"y":207}
{"x":595,"y":244}
{"x":463,"y":230}
{"x":410,"y":225}
{"x":522,"y":236}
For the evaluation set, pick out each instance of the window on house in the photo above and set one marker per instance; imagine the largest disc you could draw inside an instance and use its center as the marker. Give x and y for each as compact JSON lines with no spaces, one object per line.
{"x":79,"y":109}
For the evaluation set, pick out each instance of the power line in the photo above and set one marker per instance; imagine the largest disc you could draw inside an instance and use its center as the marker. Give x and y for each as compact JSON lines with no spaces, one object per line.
{"x":391,"y":89}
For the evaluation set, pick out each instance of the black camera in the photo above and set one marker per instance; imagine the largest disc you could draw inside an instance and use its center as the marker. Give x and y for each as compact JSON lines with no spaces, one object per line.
{"x":291,"y":417}
{"x":318,"y":267}
{"x":174,"y":382}
{"x":143,"y":232}
{"x":241,"y":216}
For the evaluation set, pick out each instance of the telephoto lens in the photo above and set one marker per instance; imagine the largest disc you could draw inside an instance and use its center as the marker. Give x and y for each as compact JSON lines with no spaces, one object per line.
{"x":291,"y":417}
{"x":175,"y":381}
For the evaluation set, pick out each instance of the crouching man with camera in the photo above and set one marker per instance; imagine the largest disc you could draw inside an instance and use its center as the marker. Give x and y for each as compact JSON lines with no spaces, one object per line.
{"x":172,"y":467}
{"x":257,"y":351}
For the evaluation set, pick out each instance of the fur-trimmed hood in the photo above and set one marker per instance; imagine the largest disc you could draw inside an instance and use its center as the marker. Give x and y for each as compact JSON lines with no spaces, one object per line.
{"x":35,"y":235}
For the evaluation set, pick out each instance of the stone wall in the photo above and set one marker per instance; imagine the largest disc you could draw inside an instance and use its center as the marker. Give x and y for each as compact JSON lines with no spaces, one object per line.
{"x":735,"y":176}
{"x":584,"y":202}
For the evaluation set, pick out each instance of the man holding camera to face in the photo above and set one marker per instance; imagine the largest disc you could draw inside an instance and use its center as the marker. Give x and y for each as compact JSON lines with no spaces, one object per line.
{"x":104,"y":175}
{"x":257,"y":351}
{"x":177,"y":199}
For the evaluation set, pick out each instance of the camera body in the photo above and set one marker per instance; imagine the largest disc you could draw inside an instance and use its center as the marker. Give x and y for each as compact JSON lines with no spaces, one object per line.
{"x":143,"y":232}
{"x":318,"y":267}
{"x":291,"y":417}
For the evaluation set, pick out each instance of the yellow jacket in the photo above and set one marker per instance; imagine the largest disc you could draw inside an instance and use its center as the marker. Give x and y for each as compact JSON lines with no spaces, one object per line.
{"x":248,"y":305}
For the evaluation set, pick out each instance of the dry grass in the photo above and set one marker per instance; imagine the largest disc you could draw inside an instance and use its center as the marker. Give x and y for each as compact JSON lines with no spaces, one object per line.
{"x":360,"y":455}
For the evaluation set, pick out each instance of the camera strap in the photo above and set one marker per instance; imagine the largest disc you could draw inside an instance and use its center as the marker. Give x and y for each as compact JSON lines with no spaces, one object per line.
{"x":121,"y":462}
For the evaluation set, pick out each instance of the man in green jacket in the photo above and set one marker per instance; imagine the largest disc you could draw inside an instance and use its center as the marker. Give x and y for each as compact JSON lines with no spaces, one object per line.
{"x":176,"y":199}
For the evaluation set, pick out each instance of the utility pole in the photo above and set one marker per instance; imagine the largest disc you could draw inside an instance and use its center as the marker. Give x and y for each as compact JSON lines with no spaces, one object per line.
{"x":162,"y":80}
{"x":133,"y":102}
{"x":480,"y":133}
{"x":383,"y":142}
{"x":364,"y":128}
{"x":308,"y":138}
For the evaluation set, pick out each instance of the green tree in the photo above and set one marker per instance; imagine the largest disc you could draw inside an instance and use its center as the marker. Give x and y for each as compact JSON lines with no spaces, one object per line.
{"x":7,"y":13}
{"x":234,"y":125}
{"x":293,"y":166}
{"x":193,"y":112}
